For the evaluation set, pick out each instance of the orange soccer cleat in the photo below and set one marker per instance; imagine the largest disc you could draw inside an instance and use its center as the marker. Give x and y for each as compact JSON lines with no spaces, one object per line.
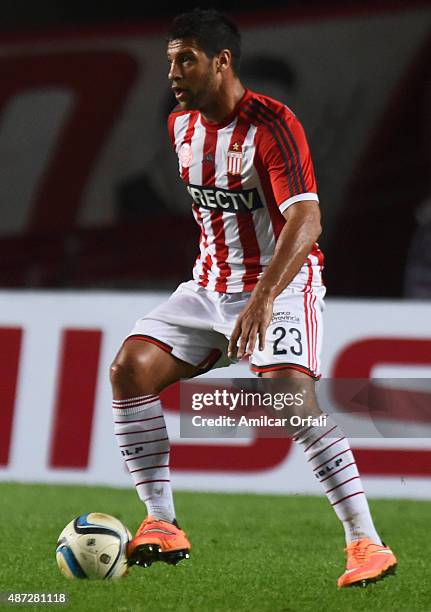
{"x":158,"y":540}
{"x":366,"y":562}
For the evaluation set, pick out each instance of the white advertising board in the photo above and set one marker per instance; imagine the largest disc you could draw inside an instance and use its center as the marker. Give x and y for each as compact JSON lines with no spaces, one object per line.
{"x":55,"y":417}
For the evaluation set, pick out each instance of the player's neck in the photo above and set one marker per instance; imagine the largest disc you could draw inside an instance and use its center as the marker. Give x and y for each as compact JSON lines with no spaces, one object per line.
{"x":224,"y":103}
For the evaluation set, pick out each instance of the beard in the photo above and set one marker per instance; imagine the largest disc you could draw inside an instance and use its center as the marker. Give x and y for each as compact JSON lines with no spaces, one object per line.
{"x":200,"y":98}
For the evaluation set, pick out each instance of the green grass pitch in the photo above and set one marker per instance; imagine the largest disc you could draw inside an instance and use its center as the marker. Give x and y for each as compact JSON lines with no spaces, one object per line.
{"x":250,"y":552}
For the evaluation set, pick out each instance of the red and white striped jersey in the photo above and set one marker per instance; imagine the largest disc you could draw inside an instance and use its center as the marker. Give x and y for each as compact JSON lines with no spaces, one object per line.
{"x":242,"y":175}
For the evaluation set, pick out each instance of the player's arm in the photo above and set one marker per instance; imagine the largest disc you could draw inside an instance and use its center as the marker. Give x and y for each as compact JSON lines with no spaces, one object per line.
{"x":283,"y":150}
{"x":300,"y":232}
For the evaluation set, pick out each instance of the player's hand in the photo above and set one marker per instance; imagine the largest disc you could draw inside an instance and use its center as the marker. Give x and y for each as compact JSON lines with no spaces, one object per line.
{"x":251,"y":325}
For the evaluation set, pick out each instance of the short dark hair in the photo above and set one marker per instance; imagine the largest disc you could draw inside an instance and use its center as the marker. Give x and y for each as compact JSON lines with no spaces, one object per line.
{"x":212,"y":30}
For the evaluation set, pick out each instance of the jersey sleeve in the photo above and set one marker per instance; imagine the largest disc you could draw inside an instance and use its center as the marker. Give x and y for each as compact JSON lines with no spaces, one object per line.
{"x":286,"y":157}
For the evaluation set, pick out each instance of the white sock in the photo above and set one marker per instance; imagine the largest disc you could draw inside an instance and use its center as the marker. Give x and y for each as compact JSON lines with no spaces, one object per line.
{"x":142,"y":437}
{"x":331,"y":459}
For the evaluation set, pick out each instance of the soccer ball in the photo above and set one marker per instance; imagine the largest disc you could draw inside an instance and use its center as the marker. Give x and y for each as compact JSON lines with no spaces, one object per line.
{"x":93,"y":546}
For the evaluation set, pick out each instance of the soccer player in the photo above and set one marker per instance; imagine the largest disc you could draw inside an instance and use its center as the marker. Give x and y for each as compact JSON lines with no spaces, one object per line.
{"x":257,"y":287}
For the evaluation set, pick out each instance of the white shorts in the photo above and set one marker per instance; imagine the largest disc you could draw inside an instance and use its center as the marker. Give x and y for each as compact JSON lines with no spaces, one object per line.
{"x":195,"y":324}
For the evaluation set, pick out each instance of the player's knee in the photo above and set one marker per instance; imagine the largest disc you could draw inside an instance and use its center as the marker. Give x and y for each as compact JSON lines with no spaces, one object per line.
{"x":118,"y":372}
{"x":129,"y":370}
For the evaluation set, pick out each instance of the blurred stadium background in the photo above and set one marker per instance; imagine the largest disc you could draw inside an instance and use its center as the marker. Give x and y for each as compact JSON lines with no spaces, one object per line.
{"x":95,"y":226}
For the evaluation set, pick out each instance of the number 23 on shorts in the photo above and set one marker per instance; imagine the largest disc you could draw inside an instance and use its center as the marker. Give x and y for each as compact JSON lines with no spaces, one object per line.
{"x":282,"y":345}
{"x":287,"y":345}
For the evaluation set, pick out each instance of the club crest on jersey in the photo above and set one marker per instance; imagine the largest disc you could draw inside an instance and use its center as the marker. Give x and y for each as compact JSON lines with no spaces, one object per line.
{"x":185,"y":155}
{"x":234,"y":159}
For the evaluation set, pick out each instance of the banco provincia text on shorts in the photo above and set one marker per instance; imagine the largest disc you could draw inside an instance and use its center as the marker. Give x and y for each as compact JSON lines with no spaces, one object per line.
{"x":260,"y":421}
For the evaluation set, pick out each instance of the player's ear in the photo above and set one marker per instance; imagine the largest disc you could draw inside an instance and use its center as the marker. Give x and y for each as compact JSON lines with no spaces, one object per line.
{"x":224,"y":60}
